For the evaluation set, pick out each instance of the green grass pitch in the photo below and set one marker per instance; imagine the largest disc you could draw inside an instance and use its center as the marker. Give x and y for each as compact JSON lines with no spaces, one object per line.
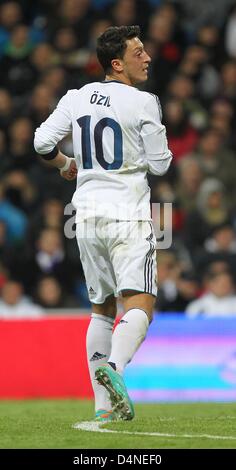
{"x":43,"y":424}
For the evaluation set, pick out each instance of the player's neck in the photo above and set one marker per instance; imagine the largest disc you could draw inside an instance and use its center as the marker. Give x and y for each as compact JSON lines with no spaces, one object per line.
{"x":118,"y":78}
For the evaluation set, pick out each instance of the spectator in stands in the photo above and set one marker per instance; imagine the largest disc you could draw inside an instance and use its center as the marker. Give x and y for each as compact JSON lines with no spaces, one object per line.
{"x":190,"y":177}
{"x":211,"y":211}
{"x":19,"y":190}
{"x":49,"y":215}
{"x":220,"y":246}
{"x":221,"y":119}
{"x":228,"y":77}
{"x":183,"y":88}
{"x":196,"y":65}
{"x":66,"y":45}
{"x":167,"y":274}
{"x":14,"y":304}
{"x":7,"y":250}
{"x":56,"y":79}
{"x":18,"y":74}
{"x":10,"y":15}
{"x":218,"y":301}
{"x":215,"y":267}
{"x":223,"y":239}
{"x":6,"y":109}
{"x":163,"y":33}
{"x":124,"y":12}
{"x":21,"y":149}
{"x":217,"y":161}
{"x":186,"y":290}
{"x":208,"y":37}
{"x":50,"y":258}
{"x":14,"y":218}
{"x":182,"y":136}
{"x":76,"y":15}
{"x":222,"y":108}
{"x":41,"y":103}
{"x":42,"y":58}
{"x":50,"y":295}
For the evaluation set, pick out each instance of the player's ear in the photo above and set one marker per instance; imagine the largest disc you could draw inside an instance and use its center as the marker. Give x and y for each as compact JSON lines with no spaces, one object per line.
{"x":117,"y":65}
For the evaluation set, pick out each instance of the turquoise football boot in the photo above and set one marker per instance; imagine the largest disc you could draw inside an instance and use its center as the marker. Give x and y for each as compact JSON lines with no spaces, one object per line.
{"x":122,"y":406}
{"x":104,"y":416}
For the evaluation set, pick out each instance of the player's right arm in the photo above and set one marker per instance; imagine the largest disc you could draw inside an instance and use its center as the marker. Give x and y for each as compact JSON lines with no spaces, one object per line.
{"x":52,"y":131}
{"x":153,"y":134}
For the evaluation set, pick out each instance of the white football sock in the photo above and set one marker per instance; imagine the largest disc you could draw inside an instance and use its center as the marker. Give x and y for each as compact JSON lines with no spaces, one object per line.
{"x":128,"y":336}
{"x":98,"y":346}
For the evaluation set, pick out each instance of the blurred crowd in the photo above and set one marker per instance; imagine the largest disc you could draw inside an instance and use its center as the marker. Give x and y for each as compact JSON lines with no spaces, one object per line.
{"x":48,"y":47}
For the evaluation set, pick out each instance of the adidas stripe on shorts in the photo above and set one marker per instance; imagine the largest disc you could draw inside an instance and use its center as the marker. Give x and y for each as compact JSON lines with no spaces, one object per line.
{"x":117,"y":255}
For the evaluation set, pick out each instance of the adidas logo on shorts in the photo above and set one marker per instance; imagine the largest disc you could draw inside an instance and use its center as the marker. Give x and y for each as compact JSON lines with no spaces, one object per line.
{"x":91,"y":291}
{"x":97,"y":356}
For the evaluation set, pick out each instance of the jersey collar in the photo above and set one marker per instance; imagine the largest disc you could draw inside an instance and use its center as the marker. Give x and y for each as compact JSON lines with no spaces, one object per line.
{"x":113,"y":81}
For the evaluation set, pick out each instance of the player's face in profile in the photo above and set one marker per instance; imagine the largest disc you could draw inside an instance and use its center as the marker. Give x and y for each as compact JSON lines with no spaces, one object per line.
{"x":136,"y":61}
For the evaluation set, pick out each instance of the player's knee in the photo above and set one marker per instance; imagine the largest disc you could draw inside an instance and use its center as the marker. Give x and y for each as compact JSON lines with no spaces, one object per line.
{"x":108,"y":308}
{"x":144,"y":301}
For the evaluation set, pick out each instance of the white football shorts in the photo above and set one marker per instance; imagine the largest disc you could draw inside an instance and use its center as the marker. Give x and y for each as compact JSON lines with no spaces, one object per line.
{"x":117,"y":255}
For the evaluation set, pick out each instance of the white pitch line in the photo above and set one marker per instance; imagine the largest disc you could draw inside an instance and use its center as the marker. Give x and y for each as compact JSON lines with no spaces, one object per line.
{"x":94,"y":426}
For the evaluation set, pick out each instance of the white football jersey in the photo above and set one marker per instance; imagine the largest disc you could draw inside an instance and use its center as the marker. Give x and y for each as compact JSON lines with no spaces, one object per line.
{"x":117,"y":138}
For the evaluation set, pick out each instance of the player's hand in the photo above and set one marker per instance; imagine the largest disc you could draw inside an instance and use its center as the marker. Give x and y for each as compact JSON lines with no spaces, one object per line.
{"x":72,"y":171}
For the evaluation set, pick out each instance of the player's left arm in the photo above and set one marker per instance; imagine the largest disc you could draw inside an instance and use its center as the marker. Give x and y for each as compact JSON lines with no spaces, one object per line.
{"x":153,"y":134}
{"x":53,"y":130}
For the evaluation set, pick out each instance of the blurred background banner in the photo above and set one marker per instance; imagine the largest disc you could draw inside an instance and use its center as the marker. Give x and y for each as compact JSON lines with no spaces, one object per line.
{"x":185,"y":360}
{"x":182,"y":359}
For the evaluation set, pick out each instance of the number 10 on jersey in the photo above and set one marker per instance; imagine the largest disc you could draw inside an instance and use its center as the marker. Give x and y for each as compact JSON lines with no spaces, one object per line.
{"x":85,"y":124}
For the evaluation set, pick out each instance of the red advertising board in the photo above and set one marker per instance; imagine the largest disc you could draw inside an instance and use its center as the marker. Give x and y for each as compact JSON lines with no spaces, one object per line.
{"x":44,"y":358}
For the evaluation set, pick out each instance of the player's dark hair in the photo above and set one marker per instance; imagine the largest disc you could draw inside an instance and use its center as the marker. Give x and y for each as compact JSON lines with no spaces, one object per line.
{"x":112,"y":44}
